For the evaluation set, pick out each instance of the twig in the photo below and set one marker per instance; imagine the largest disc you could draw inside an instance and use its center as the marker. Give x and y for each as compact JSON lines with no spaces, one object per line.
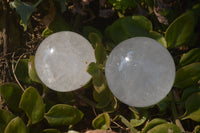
{"x":14,"y":69}
{"x":117,"y":124}
{"x":93,"y":108}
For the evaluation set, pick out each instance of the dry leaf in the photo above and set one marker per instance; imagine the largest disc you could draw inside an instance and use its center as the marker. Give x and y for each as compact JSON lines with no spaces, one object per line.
{"x":50,"y":17}
{"x":160,"y":6}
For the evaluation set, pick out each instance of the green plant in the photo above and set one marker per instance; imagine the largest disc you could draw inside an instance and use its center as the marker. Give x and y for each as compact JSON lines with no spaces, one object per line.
{"x":28,"y":106}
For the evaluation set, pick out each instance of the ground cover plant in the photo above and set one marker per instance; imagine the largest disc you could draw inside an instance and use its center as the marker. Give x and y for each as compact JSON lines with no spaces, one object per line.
{"x":28,"y":106}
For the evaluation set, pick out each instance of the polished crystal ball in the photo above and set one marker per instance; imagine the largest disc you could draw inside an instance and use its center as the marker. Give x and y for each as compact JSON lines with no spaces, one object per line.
{"x":61,"y":61}
{"x":140,"y":71}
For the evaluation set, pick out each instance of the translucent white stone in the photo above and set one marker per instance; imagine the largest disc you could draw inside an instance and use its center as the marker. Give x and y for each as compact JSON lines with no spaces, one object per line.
{"x":61,"y":61}
{"x":140,"y":71}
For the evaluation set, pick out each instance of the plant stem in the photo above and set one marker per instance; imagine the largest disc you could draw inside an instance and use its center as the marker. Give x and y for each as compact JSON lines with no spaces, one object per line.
{"x":174,"y":112}
{"x":85,"y":99}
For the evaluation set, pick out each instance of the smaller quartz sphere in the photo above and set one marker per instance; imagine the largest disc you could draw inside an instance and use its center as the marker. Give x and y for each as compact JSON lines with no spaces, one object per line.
{"x":62,"y":59}
{"x":140,"y":71}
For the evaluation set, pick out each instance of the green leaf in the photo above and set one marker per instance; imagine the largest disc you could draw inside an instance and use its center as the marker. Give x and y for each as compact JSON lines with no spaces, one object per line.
{"x":153,"y":123}
{"x":190,"y":57}
{"x":11,"y":93}
{"x":122,"y":4}
{"x":128,"y":27}
{"x":62,"y":5}
{"x":66,"y":97}
{"x":88,"y":29}
{"x":165,"y":128}
{"x":5,"y":118}
{"x":128,"y":124}
{"x":31,"y":70}
{"x":163,"y":104}
{"x":197,"y":129}
{"x":32,"y":103}
{"x":187,"y":76}
{"x":99,"y":82}
{"x":98,"y":78}
{"x":51,"y":131}
{"x":24,"y":10}
{"x":112,"y":106}
{"x":187,"y":92}
{"x":180,"y":30}
{"x":100,"y":54}
{"x":102,"y":121}
{"x":16,"y":125}
{"x":47,"y":32}
{"x":94,"y":39}
{"x":157,"y":36}
{"x":135,"y":122}
{"x":62,"y":114}
{"x":142,"y":22}
{"x":192,"y":105}
{"x":22,"y":71}
{"x":58,"y":24}
{"x":103,"y":98}
{"x":93,"y":69}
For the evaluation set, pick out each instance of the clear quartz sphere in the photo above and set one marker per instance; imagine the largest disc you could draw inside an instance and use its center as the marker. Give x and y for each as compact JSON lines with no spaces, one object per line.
{"x":62,"y":59}
{"x":140,"y":71}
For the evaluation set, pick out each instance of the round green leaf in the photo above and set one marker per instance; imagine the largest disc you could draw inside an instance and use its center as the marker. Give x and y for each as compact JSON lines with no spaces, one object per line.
{"x":93,"y":69}
{"x":100,"y":53}
{"x":98,"y":78}
{"x":22,"y":71}
{"x":190,"y":57}
{"x":11,"y":93}
{"x":163,"y":104}
{"x":153,"y":123}
{"x":197,"y":129}
{"x":31,"y":70}
{"x":16,"y":125}
{"x":58,"y":24}
{"x":88,"y":29}
{"x":135,"y":122}
{"x":62,"y":114}
{"x":102,"y":121}
{"x":187,"y":92}
{"x":51,"y":131}
{"x":187,"y":76}
{"x":103,"y":98}
{"x":32,"y":103}
{"x":5,"y":118}
{"x":180,"y":31}
{"x":165,"y":128}
{"x":192,"y":106}
{"x":61,"y":5}
{"x":128,"y":27}
{"x":94,"y":39}
{"x":112,"y":106}
{"x":157,"y":36}
{"x":142,"y":22}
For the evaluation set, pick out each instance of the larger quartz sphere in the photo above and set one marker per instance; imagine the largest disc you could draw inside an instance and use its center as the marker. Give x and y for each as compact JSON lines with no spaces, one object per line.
{"x":61,"y":61}
{"x":140,"y":71}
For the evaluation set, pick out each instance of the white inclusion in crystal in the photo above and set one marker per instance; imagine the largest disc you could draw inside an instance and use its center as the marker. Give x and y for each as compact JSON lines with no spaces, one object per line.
{"x":128,"y":57}
{"x":51,"y":50}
